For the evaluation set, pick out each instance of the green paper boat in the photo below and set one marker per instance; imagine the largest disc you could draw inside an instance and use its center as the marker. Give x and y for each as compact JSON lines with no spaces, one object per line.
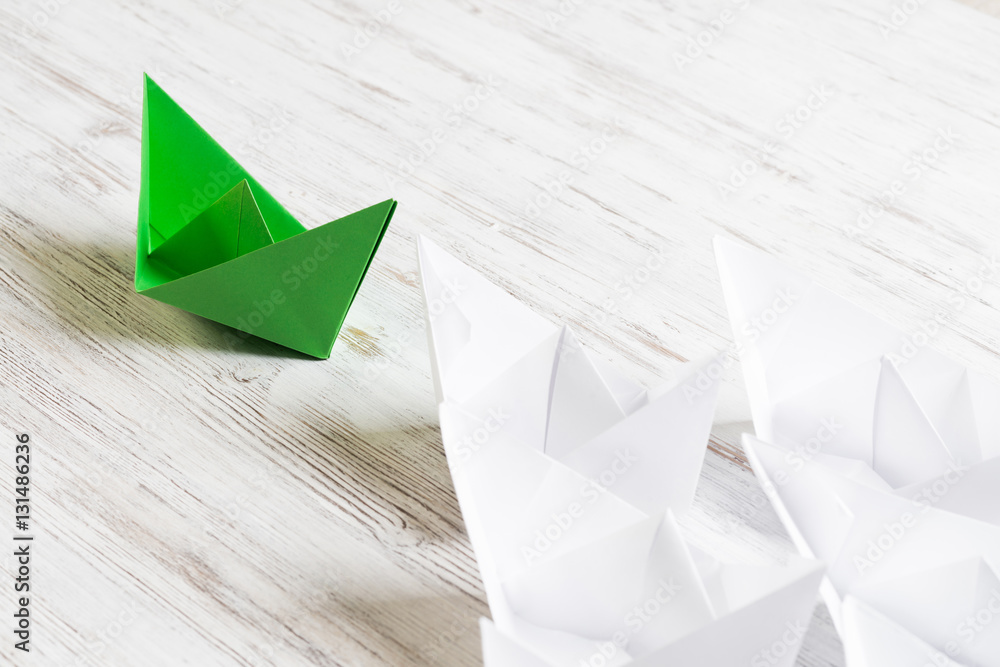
{"x":212,"y":241}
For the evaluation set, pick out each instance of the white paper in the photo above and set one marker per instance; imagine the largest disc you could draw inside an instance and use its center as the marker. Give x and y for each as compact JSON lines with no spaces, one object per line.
{"x":880,"y":456}
{"x":569,"y":476}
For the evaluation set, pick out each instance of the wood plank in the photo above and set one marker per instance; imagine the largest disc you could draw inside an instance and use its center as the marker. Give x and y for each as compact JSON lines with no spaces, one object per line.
{"x":201,"y":504}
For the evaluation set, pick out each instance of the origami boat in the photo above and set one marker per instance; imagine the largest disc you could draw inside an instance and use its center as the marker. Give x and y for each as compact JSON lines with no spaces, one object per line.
{"x":880,"y":455}
{"x":214,"y":242}
{"x":568,"y":475}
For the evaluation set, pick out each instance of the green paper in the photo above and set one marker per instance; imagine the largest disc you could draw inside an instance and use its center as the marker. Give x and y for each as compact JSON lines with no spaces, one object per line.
{"x":214,"y":242}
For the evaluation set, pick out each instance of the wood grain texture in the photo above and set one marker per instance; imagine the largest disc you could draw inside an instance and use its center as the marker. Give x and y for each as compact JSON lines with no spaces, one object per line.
{"x":197,"y":503}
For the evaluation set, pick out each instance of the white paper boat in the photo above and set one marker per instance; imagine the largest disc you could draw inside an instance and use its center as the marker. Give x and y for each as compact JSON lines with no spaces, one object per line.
{"x":568,"y":476}
{"x":880,"y":456}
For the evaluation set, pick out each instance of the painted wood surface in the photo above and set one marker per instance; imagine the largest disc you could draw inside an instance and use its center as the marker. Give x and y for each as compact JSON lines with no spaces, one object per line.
{"x":202,"y":503}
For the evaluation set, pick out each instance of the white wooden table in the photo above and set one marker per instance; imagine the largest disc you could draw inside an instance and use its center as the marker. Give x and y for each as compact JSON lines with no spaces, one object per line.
{"x":197,"y":504}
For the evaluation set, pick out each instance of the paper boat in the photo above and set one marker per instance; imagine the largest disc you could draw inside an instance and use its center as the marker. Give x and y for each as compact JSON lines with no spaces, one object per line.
{"x":568,"y":475}
{"x":214,"y":242}
{"x":880,"y":456}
